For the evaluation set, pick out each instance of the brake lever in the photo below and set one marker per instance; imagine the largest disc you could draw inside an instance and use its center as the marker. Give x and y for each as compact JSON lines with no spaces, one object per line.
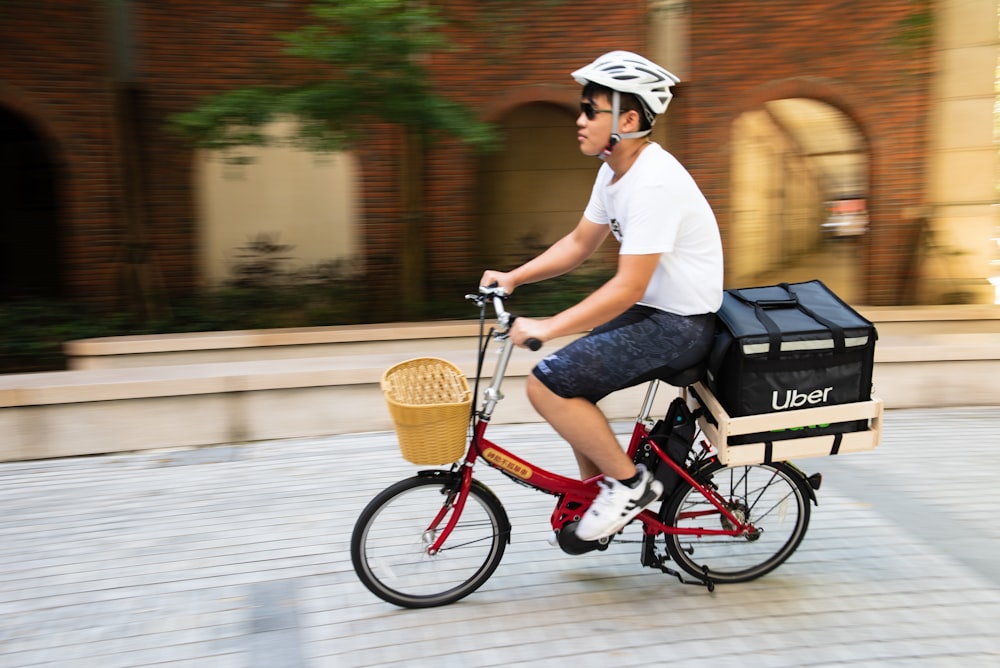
{"x":506,"y":318}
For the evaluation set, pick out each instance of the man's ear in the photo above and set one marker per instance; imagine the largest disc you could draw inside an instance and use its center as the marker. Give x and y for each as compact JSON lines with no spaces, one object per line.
{"x":629,"y":121}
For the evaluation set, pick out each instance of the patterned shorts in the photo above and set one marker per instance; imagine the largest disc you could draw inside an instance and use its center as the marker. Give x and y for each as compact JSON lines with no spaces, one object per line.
{"x":641,"y":344}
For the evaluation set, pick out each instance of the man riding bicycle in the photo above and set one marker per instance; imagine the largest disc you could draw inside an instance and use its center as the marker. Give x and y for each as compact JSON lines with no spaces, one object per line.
{"x":656,"y":314}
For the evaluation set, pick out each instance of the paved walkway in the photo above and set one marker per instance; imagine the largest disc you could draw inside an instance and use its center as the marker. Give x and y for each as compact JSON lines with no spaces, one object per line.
{"x":238,"y":556}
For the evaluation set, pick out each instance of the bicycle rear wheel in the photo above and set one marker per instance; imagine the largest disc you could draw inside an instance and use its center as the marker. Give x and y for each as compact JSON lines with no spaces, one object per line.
{"x":391,"y":537}
{"x":771,"y":497}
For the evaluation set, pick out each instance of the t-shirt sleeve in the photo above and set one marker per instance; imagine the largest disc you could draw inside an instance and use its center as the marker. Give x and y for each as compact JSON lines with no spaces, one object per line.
{"x":596,"y":211}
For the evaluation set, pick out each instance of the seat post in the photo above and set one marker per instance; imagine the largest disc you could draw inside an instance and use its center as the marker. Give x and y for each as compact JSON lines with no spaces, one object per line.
{"x":647,"y":403}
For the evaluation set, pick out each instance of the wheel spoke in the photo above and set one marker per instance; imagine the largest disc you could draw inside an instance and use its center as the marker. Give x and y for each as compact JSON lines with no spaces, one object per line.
{"x":402,"y":571}
{"x":768,"y":497}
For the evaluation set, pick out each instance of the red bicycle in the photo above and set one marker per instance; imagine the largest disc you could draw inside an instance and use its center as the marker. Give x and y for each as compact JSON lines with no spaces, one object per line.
{"x":436,"y":537}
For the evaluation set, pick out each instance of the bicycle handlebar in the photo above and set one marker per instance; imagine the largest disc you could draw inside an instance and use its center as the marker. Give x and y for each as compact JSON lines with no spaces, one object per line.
{"x":531,"y":342}
{"x":497,"y":294}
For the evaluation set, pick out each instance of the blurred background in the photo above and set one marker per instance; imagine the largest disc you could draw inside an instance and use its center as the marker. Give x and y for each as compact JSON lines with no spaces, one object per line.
{"x":171,"y":166}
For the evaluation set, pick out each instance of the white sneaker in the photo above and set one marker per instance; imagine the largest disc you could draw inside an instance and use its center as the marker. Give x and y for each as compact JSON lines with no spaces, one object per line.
{"x":617,"y":505}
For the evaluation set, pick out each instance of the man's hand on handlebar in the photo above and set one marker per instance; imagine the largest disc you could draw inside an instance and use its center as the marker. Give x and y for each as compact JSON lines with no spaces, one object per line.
{"x":501,"y":279}
{"x":528,"y":332}
{"x":523,"y":332}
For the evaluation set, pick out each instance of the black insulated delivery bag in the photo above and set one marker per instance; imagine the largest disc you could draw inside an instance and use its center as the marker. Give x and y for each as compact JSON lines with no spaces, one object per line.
{"x":787,"y":347}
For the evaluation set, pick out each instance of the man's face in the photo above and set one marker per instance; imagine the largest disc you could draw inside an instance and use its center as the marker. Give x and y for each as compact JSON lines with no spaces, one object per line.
{"x":594,"y":124}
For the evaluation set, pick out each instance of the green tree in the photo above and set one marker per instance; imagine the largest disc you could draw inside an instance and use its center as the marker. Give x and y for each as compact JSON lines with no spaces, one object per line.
{"x":374,"y":55}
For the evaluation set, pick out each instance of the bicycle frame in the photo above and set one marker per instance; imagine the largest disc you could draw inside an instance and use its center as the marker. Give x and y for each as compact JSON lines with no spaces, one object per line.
{"x":575,"y":495}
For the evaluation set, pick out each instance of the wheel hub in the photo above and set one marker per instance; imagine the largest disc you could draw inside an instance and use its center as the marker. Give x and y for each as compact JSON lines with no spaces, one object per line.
{"x":739,"y":511}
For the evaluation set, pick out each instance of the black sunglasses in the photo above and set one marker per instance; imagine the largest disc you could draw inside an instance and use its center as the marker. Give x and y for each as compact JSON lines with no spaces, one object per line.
{"x":588,"y":110}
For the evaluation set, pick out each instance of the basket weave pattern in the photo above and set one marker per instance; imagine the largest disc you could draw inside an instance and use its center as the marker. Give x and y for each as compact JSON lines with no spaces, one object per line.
{"x":429,"y":400}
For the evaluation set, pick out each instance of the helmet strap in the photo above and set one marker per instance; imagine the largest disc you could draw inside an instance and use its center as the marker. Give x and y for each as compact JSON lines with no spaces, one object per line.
{"x":616,"y":136}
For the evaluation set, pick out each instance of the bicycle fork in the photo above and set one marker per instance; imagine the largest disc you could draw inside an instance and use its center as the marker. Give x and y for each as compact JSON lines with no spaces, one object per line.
{"x":451,"y":508}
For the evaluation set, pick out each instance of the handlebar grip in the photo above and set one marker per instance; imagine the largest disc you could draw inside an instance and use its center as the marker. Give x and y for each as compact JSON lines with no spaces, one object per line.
{"x":531,"y":342}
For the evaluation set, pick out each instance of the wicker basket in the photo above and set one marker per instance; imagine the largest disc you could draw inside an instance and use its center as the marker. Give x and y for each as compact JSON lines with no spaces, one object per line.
{"x":430,"y":403}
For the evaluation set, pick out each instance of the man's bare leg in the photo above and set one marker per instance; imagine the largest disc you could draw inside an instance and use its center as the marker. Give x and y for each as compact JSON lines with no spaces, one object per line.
{"x":586,"y":429}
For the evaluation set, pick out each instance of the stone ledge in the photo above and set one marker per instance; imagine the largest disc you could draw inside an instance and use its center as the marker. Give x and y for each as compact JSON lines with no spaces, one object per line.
{"x":434,"y":337}
{"x":256,"y":338}
{"x":84,"y":386}
{"x":916,"y":348}
{"x":71,"y":413}
{"x":931,"y":315}
{"x":91,"y":385}
{"x":265,"y":344}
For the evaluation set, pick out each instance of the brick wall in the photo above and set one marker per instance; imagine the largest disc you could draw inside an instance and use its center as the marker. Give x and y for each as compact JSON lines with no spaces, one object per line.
{"x":526,"y":54}
{"x":848,"y":54}
{"x":56,"y":75}
{"x":187,"y":51}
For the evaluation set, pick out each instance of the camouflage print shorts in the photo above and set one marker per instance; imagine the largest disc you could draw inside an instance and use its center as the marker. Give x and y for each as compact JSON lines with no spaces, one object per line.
{"x":641,"y":344}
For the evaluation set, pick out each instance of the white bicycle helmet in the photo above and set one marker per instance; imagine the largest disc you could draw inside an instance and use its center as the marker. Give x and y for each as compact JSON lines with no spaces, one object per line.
{"x":628,"y":72}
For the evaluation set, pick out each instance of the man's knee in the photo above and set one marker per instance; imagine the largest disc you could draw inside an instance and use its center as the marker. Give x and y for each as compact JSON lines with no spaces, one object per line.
{"x":536,"y":389}
{"x":541,"y":397}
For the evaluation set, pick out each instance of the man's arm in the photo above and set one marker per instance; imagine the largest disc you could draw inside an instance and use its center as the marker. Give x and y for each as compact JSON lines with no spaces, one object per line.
{"x":562,"y":256}
{"x":624,"y":289}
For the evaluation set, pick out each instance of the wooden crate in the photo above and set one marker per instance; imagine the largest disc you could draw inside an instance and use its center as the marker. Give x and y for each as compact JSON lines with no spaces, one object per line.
{"x":719,"y":427}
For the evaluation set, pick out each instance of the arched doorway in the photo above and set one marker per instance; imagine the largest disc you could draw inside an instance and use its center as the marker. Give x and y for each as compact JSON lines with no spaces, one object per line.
{"x":29,"y":231}
{"x":535,"y":190}
{"x":799,"y":197}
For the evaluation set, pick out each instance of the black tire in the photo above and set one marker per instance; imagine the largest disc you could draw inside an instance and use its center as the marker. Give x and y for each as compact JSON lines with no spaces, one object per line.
{"x":775,"y":497}
{"x":390,"y":540}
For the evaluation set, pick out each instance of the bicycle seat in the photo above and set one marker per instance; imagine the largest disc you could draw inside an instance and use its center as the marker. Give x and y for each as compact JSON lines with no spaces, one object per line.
{"x":685,"y":377}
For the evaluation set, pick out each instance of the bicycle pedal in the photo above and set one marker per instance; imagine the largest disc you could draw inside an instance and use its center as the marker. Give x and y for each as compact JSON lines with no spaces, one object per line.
{"x":570,"y":544}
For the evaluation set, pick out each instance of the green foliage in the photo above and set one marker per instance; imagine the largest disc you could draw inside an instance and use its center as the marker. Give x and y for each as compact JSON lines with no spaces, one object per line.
{"x":916,"y":30}
{"x":556,"y":294}
{"x":372,"y":56}
{"x":32,"y":332}
{"x":261,"y":293}
{"x":234,"y":118}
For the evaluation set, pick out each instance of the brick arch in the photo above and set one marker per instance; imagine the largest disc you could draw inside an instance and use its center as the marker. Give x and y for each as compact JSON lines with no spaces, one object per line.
{"x":540,"y":149}
{"x":848,"y":271}
{"x":508,"y":101}
{"x":35,"y":116}
{"x":31,"y":250}
{"x":834,"y":93}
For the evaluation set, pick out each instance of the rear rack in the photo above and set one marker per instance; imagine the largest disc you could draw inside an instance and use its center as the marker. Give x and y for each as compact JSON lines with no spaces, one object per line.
{"x":718,"y":426}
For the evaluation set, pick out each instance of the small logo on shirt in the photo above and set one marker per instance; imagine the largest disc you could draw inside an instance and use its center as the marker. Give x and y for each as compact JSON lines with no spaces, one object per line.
{"x":616,"y":229}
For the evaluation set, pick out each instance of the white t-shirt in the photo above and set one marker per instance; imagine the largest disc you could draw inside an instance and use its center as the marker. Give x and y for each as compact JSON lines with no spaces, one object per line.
{"x":656,"y":207}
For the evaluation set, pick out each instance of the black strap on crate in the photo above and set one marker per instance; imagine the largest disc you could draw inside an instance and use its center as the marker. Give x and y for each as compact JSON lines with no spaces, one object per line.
{"x":769,"y":448}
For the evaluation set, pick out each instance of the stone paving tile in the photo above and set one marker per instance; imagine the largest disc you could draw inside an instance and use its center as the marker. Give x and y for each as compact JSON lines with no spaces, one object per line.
{"x":238,"y":556}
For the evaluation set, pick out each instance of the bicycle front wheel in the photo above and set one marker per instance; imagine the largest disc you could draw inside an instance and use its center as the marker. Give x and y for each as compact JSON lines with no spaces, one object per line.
{"x":389,"y":546}
{"x":771,"y":497}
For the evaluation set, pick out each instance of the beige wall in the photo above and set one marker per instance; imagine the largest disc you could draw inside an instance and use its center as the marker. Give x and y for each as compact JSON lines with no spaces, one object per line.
{"x":963,"y":161}
{"x":777,"y":202}
{"x":535,"y":188}
{"x":302,"y":199}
